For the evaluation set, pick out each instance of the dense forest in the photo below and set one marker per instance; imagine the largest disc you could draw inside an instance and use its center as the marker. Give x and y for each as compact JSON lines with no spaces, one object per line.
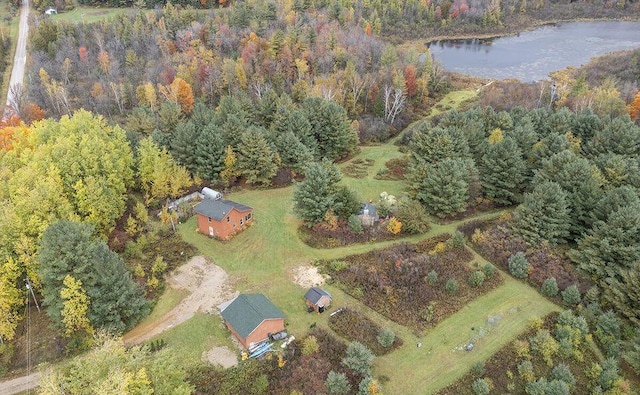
{"x":120,"y":116}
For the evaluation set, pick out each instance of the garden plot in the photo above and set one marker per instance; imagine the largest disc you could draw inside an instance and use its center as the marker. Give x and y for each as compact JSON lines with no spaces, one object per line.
{"x":417,"y":285}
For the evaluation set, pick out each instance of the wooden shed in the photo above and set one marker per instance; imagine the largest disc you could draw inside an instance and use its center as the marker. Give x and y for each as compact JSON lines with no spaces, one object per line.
{"x":252,"y":317}
{"x":317,"y":299}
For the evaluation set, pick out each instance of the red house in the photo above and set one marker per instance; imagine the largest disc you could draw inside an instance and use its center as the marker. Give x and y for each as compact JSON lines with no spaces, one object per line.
{"x":252,"y":317}
{"x":222,"y":218}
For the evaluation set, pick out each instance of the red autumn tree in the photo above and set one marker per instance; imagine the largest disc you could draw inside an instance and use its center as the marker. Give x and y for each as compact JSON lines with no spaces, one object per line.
{"x":410,"y":80}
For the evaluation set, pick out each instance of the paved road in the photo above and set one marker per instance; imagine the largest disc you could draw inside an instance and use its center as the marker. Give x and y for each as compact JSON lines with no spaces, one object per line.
{"x":20,"y":60}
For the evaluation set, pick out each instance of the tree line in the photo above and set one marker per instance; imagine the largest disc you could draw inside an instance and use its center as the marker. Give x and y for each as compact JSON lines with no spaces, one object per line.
{"x":132,"y":60}
{"x":574,"y":179}
{"x":80,"y":171}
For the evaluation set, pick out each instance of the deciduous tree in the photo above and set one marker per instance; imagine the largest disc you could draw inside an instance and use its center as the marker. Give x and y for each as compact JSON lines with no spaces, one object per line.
{"x":160,"y":176}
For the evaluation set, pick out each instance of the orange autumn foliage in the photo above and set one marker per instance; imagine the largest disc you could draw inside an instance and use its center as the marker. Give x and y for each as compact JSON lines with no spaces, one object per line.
{"x":32,"y":113}
{"x":634,"y":107}
{"x":9,"y":134}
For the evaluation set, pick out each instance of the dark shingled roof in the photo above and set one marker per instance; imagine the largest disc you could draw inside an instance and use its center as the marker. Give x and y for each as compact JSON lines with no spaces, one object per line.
{"x":246,"y":312}
{"x":314,"y":294}
{"x":218,"y":209}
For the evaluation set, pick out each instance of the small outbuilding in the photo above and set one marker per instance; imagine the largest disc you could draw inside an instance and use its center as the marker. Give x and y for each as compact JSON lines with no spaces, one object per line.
{"x":222,"y":218}
{"x":317,"y":299}
{"x":252,"y":317}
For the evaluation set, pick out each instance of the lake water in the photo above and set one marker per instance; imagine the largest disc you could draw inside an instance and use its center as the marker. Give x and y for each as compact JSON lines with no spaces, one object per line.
{"x":532,"y":55}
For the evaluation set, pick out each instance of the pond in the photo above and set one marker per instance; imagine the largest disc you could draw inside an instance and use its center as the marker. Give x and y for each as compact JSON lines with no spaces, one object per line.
{"x":532,"y":55}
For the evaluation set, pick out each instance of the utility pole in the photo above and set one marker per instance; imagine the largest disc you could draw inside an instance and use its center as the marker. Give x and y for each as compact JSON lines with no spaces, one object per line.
{"x":27,"y":283}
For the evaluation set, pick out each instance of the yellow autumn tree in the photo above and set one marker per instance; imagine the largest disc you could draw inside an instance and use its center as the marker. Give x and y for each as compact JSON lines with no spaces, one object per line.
{"x":496,"y":136}
{"x":146,"y":95}
{"x":160,"y":176}
{"x":179,"y":92}
{"x":230,"y":166}
{"x":76,"y":305}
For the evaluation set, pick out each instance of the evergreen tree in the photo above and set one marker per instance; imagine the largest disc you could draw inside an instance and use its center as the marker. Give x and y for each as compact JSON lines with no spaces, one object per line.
{"x":233,"y":128}
{"x":431,"y":145}
{"x":586,"y":124}
{"x":210,"y":152}
{"x":345,"y":202}
{"x":544,"y":215}
{"x":257,"y":161}
{"x":618,"y":170}
{"x":315,"y":195}
{"x":575,"y":176}
{"x":442,"y":188}
{"x":183,"y":148}
{"x":331,"y":128}
{"x":359,"y":358}
{"x":547,"y":147}
{"x":267,"y":107}
{"x":620,"y":136}
{"x":116,"y":302}
{"x":293,"y":154}
{"x":201,"y":115}
{"x":610,"y":253}
{"x":613,"y":200}
{"x":502,"y":172}
{"x":525,"y":135}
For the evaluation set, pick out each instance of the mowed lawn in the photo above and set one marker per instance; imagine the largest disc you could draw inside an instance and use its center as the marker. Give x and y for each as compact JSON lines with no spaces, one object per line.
{"x":84,"y":14}
{"x":496,"y":318}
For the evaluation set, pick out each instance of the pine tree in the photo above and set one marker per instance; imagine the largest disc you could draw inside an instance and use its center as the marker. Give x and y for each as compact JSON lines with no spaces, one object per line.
{"x":613,"y":200}
{"x":210,"y":152}
{"x":116,"y":302}
{"x":292,"y":152}
{"x":610,"y":253}
{"x":502,"y":172}
{"x":183,"y":148}
{"x":331,"y":128}
{"x":431,"y":145}
{"x":620,"y":136}
{"x":442,"y":187}
{"x":316,"y":194}
{"x":544,"y":215}
{"x":575,"y":176}
{"x":257,"y":161}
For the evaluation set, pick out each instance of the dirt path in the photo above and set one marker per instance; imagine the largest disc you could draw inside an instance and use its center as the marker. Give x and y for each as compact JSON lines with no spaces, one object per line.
{"x":209,"y":286}
{"x":20,"y":59}
{"x":19,"y":384}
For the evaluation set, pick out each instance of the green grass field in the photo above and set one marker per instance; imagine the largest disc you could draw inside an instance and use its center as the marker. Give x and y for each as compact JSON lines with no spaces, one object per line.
{"x":83,"y":14}
{"x":452,"y":100}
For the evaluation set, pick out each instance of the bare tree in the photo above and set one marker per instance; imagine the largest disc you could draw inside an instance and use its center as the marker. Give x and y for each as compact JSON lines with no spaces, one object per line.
{"x":394,"y":102}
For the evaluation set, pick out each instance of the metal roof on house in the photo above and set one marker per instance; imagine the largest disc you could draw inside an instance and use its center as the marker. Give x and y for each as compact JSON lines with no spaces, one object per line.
{"x":247,"y":311}
{"x":218,"y":209}
{"x":315,"y":294}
